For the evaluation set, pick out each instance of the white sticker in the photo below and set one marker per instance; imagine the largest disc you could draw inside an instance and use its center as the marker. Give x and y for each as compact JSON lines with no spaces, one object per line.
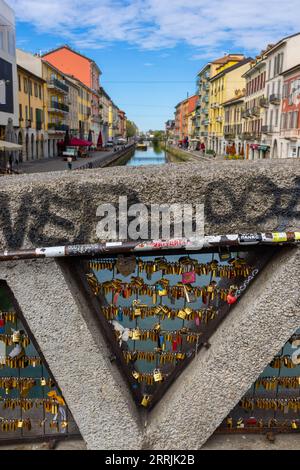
{"x":51,"y":252}
{"x":114,"y":244}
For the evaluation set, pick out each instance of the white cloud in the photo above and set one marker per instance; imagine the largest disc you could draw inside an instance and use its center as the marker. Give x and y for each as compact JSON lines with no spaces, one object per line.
{"x":157,"y":24}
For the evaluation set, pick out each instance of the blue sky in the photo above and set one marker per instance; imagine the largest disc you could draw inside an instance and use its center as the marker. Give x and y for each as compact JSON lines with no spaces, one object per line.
{"x":149,"y":51}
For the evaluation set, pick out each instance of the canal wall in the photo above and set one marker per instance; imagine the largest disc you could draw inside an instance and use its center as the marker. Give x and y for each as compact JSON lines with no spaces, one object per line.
{"x":59,"y":208}
{"x":120,"y":157}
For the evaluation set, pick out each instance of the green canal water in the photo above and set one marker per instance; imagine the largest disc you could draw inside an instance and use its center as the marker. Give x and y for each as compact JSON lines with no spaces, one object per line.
{"x":154,"y":155}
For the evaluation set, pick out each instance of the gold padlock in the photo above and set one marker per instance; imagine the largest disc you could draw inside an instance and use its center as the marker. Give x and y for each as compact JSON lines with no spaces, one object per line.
{"x":188,"y":310}
{"x":43,"y":382}
{"x":20,"y":423}
{"x":146,"y":400}
{"x":294,"y":425}
{"x":16,"y":337}
{"x":136,"y":334}
{"x":162,"y":292}
{"x":137,"y":312}
{"x":181,"y":314}
{"x":157,"y":375}
{"x":135,"y":374}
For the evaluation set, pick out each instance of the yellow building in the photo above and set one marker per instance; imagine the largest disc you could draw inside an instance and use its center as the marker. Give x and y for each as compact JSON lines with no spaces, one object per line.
{"x":205,"y":98}
{"x":57,"y":108}
{"x":113,"y":121}
{"x":84,"y":97}
{"x":31,"y":132}
{"x":223,"y":87}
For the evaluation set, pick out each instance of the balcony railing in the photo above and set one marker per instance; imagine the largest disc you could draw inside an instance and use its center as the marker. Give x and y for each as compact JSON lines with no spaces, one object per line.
{"x":274,"y":99}
{"x":266,"y":129}
{"x":290,"y":134}
{"x":263,"y":102}
{"x":247,"y":136}
{"x":59,"y":85}
{"x":205,"y":122}
{"x":255,"y":111}
{"x":246,"y":114}
{"x":57,"y":106}
{"x":57,"y":127}
{"x":205,"y":111}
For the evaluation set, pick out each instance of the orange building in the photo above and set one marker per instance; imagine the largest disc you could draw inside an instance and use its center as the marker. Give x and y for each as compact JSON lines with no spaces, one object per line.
{"x":86,"y":71}
{"x":184,"y":110}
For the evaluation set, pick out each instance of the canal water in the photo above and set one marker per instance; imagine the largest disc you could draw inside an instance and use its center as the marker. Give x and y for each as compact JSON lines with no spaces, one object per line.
{"x":154,"y":155}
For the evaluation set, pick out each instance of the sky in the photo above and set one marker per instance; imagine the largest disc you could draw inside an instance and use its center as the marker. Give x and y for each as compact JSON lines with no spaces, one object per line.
{"x":149,"y":51}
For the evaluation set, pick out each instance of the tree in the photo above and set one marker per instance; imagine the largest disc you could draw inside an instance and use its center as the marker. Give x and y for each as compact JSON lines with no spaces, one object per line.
{"x":131,"y":129}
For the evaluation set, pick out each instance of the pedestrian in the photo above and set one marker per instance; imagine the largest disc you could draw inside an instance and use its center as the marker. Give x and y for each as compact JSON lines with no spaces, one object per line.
{"x":69,"y":160}
{"x":202,"y":148}
{"x":10,"y":161}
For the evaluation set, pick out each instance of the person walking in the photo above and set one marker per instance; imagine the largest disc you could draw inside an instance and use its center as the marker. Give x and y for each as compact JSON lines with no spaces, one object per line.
{"x":69,"y":160}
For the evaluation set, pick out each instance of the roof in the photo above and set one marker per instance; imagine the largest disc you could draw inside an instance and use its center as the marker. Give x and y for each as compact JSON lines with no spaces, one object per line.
{"x":235,"y":100}
{"x":279,"y":43}
{"x":233,"y":67}
{"x":66,"y":46}
{"x":31,"y":73}
{"x":226,"y":58}
{"x":259,"y":64}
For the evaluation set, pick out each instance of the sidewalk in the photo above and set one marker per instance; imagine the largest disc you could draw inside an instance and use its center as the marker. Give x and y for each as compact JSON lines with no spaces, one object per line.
{"x":58,"y":163}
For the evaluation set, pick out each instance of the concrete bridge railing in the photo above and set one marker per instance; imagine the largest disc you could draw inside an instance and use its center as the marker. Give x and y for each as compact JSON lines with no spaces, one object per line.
{"x":60,"y":208}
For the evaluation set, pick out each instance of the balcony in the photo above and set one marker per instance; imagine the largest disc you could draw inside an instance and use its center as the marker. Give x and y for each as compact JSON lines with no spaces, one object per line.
{"x":57,"y":107}
{"x":205,"y":111}
{"x":53,"y":126}
{"x":255,"y":111}
{"x":247,"y":136}
{"x":58,"y":85}
{"x":275,"y":99}
{"x":204,"y":134}
{"x":290,"y":134}
{"x":206,"y":86}
{"x":205,"y":99}
{"x":198,"y":103}
{"x":246,"y":114}
{"x":263,"y":102}
{"x":266,"y":129}
{"x":205,"y":122}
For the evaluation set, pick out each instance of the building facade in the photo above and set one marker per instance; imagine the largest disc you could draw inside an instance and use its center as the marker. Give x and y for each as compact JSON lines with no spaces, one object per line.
{"x":203,"y":107}
{"x":8,"y":70}
{"x":32,"y":132}
{"x":225,"y":85}
{"x":85,"y":70}
{"x":290,"y":113}
{"x":233,"y":125}
{"x":122,"y":124}
{"x":254,"y":110}
{"x":281,"y":57}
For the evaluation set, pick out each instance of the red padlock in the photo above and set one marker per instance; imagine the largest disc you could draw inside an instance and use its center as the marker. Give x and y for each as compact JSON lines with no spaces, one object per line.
{"x":231,"y":299}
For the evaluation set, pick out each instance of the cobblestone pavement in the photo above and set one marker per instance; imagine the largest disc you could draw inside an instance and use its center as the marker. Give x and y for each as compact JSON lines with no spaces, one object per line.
{"x":58,"y":164}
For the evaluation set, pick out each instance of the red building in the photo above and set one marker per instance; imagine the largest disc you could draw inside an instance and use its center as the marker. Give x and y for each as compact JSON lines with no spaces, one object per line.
{"x":290,"y":116}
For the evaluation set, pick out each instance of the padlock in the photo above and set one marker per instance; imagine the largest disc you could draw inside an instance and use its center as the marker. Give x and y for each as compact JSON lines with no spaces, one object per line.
{"x":181,"y":314}
{"x":43,"y":382}
{"x":136,"y":334}
{"x":20,"y":423}
{"x":16,"y":337}
{"x":135,"y":374}
{"x":162,"y":292}
{"x":157,"y":375}
{"x":146,"y":400}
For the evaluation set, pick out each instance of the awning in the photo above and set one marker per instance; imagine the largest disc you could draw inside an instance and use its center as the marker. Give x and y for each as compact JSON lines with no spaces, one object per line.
{"x":264,"y":148}
{"x":74,"y":142}
{"x":4,"y":145}
{"x":254,"y":146}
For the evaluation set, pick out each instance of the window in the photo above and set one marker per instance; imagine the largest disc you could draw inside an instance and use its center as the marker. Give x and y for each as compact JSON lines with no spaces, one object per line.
{"x":276,"y":117}
{"x":11,"y":43}
{"x":40,"y":92}
{"x":271,"y":118}
{"x":25,"y":85}
{"x":31,"y":115}
{"x":20,"y":112}
{"x":281,"y":62}
{"x":26,"y":112}
{"x":30,"y":87}
{"x":1,"y":40}
{"x":269,"y":71}
{"x":268,"y":91}
{"x":35,"y":90}
{"x":19,"y":82}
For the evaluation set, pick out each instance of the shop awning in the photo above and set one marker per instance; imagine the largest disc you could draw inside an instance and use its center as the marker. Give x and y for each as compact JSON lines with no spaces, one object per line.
{"x":74,"y":142}
{"x":264,"y":148}
{"x":4,"y":145}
